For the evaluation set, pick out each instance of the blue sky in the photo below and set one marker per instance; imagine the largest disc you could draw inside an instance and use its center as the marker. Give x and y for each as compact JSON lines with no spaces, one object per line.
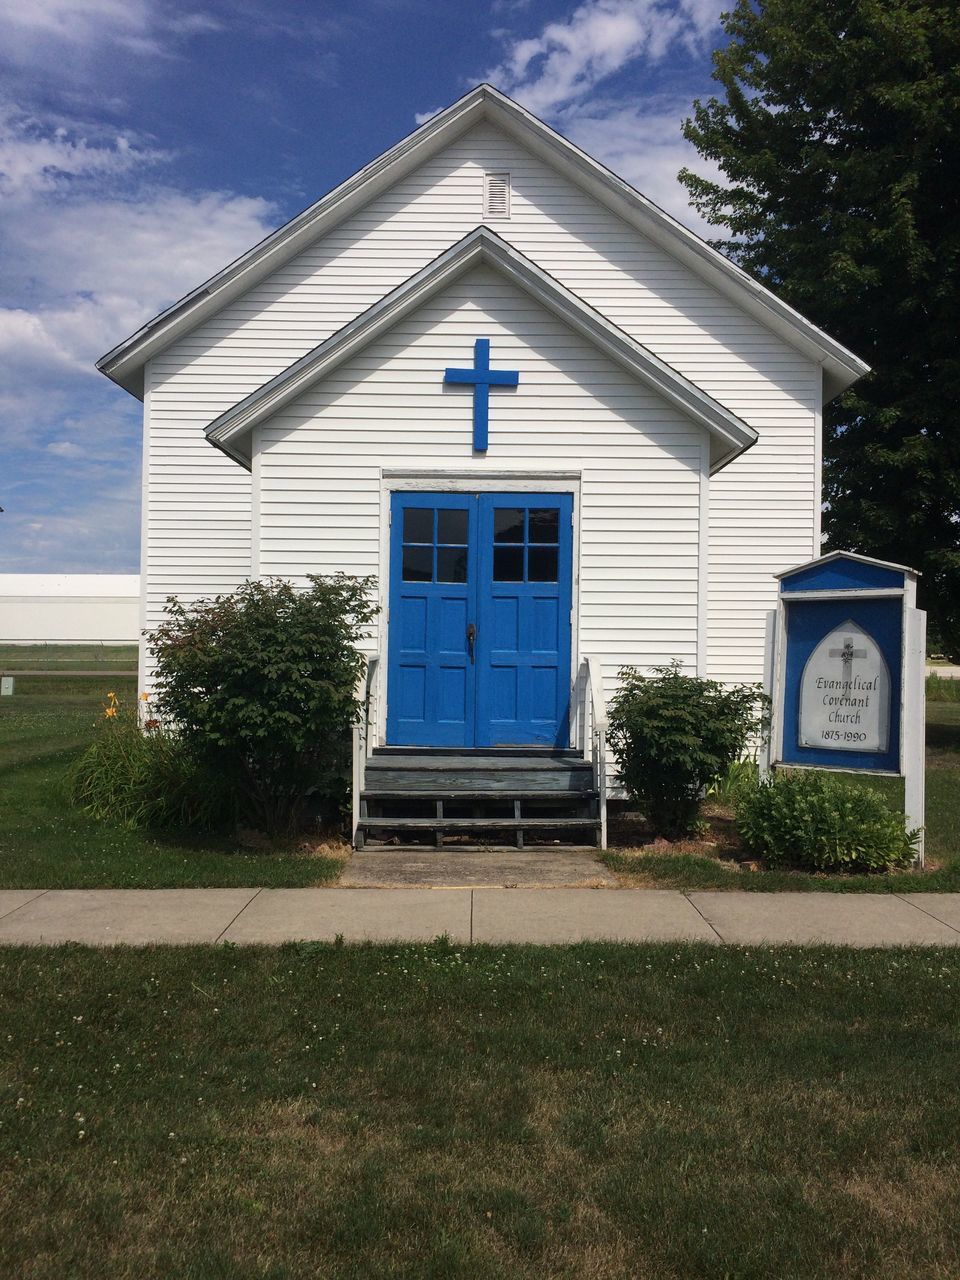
{"x":144,"y":144}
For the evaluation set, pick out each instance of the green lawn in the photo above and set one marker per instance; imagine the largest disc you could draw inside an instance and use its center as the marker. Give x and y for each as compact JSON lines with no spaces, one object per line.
{"x":670,"y":870}
{"x":68,"y":657}
{"x":45,"y":842}
{"x":595,"y":1111}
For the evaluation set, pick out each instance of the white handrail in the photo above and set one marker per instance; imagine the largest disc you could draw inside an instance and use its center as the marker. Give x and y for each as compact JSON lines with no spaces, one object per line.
{"x":364,"y":736}
{"x":590,"y":704}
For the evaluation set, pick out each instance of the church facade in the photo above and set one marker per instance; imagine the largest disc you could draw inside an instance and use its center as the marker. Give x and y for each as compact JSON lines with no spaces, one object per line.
{"x":556,"y":427}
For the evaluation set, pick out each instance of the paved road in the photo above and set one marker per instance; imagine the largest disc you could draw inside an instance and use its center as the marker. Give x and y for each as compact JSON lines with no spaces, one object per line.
{"x":141,"y":916}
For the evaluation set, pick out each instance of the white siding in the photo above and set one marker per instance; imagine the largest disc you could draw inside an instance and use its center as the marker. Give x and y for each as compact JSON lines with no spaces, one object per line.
{"x":762,"y":512}
{"x":320,"y":462}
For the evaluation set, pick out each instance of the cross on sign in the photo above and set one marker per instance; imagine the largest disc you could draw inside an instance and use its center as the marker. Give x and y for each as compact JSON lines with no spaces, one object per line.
{"x":847,"y":654}
{"x":481,"y":377}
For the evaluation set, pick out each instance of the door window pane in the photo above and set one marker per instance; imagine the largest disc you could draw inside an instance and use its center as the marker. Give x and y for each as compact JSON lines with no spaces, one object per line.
{"x":508,"y":527}
{"x":508,"y":564}
{"x":452,"y":527}
{"x":544,"y":525}
{"x":417,"y":525}
{"x":418,"y":564}
{"x":451,"y":564}
{"x":542,"y":564}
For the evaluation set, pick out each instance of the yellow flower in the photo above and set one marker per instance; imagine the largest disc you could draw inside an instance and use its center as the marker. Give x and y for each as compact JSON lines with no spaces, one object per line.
{"x":144,"y":697}
{"x":110,"y":711}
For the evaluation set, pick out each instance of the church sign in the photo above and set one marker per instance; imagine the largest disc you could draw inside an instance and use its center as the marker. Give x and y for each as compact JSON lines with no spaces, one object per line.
{"x":845,"y":694}
{"x":846,"y":668}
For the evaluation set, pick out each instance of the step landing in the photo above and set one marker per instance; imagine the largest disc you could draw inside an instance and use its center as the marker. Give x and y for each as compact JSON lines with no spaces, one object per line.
{"x":394,"y":868}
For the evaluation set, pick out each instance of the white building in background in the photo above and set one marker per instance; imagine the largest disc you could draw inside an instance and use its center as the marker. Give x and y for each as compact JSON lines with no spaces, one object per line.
{"x":69,"y":608}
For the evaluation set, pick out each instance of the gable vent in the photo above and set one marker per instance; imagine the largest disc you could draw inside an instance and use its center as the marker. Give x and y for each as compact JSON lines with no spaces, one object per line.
{"x":496,"y":195}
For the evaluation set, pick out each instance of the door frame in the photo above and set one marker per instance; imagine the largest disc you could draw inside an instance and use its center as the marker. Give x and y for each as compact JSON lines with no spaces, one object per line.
{"x":398,"y":480}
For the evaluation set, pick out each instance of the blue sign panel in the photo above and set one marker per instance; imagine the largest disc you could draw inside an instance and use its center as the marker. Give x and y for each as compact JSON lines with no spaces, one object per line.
{"x":842,"y":681}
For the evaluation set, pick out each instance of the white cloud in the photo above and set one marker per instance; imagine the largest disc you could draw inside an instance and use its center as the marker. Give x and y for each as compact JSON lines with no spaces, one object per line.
{"x":644,"y":145}
{"x":92,"y":256}
{"x":35,"y":157}
{"x":33,"y":31}
{"x":567,"y":60}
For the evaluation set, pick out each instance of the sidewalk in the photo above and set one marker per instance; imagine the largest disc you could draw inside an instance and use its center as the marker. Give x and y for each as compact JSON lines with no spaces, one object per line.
{"x":270,"y":916}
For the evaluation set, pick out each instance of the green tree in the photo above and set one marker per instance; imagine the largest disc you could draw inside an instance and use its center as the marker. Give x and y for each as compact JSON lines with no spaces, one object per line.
{"x":837,"y":134}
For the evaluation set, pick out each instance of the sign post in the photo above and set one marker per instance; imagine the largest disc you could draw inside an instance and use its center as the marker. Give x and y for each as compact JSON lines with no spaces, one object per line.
{"x":846,"y":668}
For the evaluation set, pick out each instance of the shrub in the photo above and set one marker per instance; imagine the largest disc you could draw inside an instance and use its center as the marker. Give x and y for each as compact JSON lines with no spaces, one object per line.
{"x":674,"y":734}
{"x":261,"y":685}
{"x":739,"y":775}
{"x":821,"y":822}
{"x":145,"y":778}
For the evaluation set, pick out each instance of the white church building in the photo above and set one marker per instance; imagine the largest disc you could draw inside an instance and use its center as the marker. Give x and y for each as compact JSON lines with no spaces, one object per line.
{"x":561,"y":431}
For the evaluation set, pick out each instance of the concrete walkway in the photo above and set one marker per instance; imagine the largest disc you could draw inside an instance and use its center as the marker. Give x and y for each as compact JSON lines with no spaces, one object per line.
{"x":141,"y":916}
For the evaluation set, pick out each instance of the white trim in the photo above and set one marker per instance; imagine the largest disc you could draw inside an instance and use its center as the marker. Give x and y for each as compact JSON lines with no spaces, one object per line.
{"x":779,"y":677}
{"x":144,"y":539}
{"x":230,"y":431}
{"x":846,"y":555}
{"x":770,"y":642}
{"x":703,"y":562}
{"x":125,"y":362}
{"x":816,"y":546}
{"x":838,"y":768}
{"x":913,"y":722}
{"x":465,"y":481}
{"x":453,"y":474}
{"x":844,"y":593}
{"x":255,"y":516}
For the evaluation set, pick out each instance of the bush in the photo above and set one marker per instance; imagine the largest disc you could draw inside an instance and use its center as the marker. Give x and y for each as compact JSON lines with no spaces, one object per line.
{"x":820,"y":822}
{"x":261,"y":685}
{"x":145,"y":778}
{"x":674,"y":734}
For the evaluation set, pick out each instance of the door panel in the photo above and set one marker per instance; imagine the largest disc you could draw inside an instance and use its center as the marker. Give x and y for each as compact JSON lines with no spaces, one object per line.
{"x":431,"y":690}
{"x":523,"y":636}
{"x":501,"y":565}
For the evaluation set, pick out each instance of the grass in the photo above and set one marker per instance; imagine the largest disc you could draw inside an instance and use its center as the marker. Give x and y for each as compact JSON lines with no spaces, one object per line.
{"x":596,"y":1111}
{"x":942,"y":689}
{"x":45,"y":842}
{"x":673,"y":869}
{"x":68,"y":657}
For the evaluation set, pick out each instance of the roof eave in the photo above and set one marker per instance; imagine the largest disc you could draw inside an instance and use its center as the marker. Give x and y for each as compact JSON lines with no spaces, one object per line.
{"x":731,"y":434}
{"x":848,"y":555}
{"x":124,"y":364}
{"x":841,"y":366}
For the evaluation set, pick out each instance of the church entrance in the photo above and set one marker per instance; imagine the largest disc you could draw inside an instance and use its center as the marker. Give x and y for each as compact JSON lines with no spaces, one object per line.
{"x":479,"y":625}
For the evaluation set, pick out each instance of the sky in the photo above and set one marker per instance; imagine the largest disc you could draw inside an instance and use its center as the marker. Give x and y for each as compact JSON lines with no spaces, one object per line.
{"x":144,"y":144}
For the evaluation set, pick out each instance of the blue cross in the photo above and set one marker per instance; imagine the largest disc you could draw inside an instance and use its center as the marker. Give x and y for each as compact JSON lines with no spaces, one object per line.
{"x":481,"y":377}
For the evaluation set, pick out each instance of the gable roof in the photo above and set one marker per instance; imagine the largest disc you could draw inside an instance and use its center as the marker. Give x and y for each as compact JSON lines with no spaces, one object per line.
{"x":729,"y":435}
{"x":125,"y":363}
{"x":856,"y":556}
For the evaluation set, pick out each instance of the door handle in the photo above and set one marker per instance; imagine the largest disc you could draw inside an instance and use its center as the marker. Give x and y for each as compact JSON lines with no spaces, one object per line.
{"x":471,"y":638}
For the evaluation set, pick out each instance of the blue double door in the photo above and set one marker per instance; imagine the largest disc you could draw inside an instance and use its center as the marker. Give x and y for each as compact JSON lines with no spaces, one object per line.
{"x":479,"y":625}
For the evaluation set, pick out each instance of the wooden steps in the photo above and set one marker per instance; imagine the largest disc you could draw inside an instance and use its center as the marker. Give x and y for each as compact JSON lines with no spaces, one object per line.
{"x":434,"y":793}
